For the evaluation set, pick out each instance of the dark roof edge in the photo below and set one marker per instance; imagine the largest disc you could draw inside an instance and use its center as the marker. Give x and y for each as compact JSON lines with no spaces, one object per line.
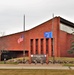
{"x":62,"y":20}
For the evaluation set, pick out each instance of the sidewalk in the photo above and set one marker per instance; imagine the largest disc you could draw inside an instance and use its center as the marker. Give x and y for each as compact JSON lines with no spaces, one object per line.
{"x":33,"y":66}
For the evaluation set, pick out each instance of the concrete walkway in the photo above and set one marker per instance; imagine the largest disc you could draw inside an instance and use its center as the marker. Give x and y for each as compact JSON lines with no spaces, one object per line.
{"x":33,"y":66}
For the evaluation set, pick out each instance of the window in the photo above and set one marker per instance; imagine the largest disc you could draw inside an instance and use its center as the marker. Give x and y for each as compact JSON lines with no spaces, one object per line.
{"x":31,"y":44}
{"x":36,"y":46}
{"x":47,"y":45}
{"x":41,"y":46}
{"x":52,"y":47}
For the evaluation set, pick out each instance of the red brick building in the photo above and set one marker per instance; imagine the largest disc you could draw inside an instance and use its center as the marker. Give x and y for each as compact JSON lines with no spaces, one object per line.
{"x":34,"y":41}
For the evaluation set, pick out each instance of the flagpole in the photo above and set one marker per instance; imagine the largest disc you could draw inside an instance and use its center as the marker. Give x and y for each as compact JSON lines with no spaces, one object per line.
{"x":24,"y":38}
{"x":53,"y":38}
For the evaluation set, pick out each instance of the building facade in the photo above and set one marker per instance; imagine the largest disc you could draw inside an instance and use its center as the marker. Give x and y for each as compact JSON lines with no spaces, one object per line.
{"x":34,"y":42}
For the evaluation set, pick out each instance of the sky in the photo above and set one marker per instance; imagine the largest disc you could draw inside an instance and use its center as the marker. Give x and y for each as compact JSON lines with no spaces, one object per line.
{"x":36,"y":12}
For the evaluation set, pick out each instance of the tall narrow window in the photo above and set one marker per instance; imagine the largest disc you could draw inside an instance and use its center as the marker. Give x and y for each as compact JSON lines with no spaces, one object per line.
{"x":52,"y":47}
{"x":41,"y":46}
{"x":47,"y":45}
{"x":31,"y":45}
{"x":36,"y":46}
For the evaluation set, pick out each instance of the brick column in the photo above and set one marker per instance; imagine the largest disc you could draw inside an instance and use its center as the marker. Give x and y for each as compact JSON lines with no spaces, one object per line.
{"x":39,"y":46}
{"x":29,"y":52}
{"x":44,"y":46}
{"x":29,"y":56}
{"x":47,"y":58}
{"x":34,"y":46}
{"x":49,"y":48}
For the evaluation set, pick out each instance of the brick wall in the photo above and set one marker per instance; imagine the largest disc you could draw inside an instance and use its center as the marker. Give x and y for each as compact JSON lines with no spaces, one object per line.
{"x":61,"y":39}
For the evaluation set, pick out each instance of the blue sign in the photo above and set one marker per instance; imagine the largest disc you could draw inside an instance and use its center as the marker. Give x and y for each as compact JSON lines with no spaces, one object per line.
{"x":48,"y":35}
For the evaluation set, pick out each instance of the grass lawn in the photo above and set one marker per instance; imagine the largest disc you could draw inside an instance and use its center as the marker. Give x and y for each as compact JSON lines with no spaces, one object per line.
{"x":71,"y":65}
{"x":68,"y":59}
{"x":36,"y":72}
{"x":62,"y":58}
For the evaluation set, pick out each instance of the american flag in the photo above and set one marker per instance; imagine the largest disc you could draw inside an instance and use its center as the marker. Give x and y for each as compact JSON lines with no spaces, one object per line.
{"x":20,"y":39}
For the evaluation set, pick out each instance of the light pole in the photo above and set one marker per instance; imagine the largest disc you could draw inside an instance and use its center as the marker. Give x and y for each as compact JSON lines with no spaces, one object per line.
{"x":24,"y":38}
{"x":53,"y":39}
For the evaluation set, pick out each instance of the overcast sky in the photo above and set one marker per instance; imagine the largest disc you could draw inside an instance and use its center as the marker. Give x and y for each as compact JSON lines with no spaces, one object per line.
{"x":36,"y":12}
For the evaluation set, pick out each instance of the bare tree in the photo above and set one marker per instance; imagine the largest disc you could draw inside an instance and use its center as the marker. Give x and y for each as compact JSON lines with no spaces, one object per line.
{"x":71,"y":51}
{"x":3,"y":43}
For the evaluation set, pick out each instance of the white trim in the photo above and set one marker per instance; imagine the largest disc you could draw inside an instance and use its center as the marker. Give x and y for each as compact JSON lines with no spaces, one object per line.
{"x":66,"y":28}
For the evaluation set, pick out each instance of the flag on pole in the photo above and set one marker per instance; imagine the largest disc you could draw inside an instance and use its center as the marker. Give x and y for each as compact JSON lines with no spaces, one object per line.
{"x":20,"y":39}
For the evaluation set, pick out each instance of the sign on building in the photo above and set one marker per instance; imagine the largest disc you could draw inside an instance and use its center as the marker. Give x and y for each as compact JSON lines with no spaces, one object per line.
{"x":48,"y":35}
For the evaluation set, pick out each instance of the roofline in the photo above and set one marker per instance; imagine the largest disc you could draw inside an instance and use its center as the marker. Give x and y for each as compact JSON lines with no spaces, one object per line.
{"x":13,"y":34}
{"x":62,"y":20}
